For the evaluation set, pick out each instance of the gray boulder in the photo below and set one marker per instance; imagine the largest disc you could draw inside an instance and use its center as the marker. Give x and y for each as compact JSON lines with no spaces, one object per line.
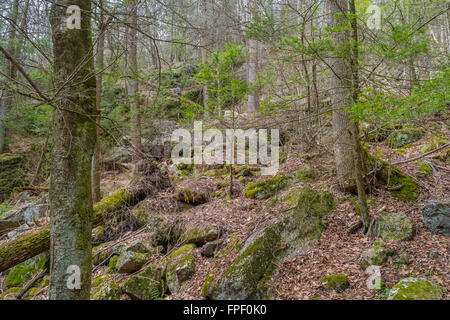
{"x":436,"y":216}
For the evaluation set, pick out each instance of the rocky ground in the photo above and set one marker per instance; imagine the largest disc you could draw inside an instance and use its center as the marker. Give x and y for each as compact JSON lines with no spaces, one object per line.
{"x":282,"y":237}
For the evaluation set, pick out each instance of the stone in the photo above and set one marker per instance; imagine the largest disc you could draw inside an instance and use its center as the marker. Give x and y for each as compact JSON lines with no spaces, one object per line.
{"x":107,"y":291}
{"x":180,"y":267}
{"x":415,"y":289}
{"x":130,"y":261}
{"x":436,"y":216}
{"x":146,"y":285}
{"x":338,"y":282}
{"x":266,"y":188}
{"x":377,"y":256}
{"x":209,"y":248}
{"x":394,"y":226}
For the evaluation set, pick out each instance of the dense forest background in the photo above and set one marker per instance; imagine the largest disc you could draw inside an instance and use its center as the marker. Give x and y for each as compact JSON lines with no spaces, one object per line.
{"x":93,"y":206}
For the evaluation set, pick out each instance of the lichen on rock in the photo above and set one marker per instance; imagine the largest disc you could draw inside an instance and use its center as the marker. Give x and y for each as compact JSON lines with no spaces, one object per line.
{"x":394,"y":226}
{"x":415,"y":289}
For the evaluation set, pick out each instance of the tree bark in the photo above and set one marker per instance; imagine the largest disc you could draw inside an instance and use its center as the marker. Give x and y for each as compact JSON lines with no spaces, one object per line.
{"x":341,"y":81}
{"x":73,"y":146}
{"x":11,"y":72}
{"x":96,"y":196}
{"x":134,"y":81}
{"x":253,"y":97}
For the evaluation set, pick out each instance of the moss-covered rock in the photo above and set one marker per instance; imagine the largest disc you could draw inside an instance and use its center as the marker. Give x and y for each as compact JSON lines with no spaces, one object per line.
{"x":434,"y":142}
{"x":102,"y":253}
{"x":400,"y":138}
{"x":191,"y":196}
{"x":112,"y":265}
{"x":10,"y":294}
{"x":338,"y":282}
{"x":266,"y":188}
{"x":424,"y":169}
{"x":241,"y":279}
{"x":200,"y":235}
{"x":415,"y":289}
{"x":107,"y":291}
{"x":146,"y":285}
{"x":305,"y":173}
{"x":24,"y":271}
{"x":400,"y":185}
{"x":130,"y":261}
{"x":382,"y":133}
{"x":377,"y":255}
{"x":394,"y":226}
{"x":12,"y":173}
{"x":180,"y":267}
{"x":98,"y":233}
{"x":246,"y":278}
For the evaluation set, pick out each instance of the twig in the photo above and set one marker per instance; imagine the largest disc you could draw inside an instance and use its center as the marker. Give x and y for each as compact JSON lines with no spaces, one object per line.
{"x":423,"y":155}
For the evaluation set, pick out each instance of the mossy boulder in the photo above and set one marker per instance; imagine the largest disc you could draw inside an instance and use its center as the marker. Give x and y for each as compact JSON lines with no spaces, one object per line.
{"x":24,"y":271}
{"x":241,"y":279}
{"x":102,"y":253}
{"x":192,"y":196}
{"x":436,"y":216}
{"x":424,"y":169}
{"x":130,"y":261}
{"x":401,"y":138}
{"x":10,"y":294}
{"x":338,"y":282}
{"x":246,"y":278}
{"x":12,"y":173}
{"x":399,"y":184}
{"x":305,"y":173}
{"x":377,"y":255}
{"x":180,"y":267}
{"x":199,"y":235}
{"x":434,"y":142}
{"x":146,"y":285}
{"x":394,"y":226}
{"x":107,"y":291}
{"x":98,"y":233}
{"x":415,"y":289}
{"x":382,"y":133}
{"x":266,"y":188}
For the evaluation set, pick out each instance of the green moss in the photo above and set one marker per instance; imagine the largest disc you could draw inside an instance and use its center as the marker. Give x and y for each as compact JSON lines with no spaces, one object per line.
{"x":180,"y":267}
{"x":305,"y":173}
{"x":425,"y":169}
{"x":10,"y":294}
{"x":24,"y":271}
{"x":107,"y":291}
{"x":377,"y":255}
{"x":192,"y":197}
{"x":394,"y":226}
{"x":400,"y":185}
{"x":146,"y":285}
{"x":398,"y":139}
{"x":415,"y":289}
{"x":434,"y":142}
{"x":112,"y":266}
{"x":111,"y":203}
{"x":207,"y":285}
{"x":266,"y":188}
{"x":242,"y":277}
{"x":4,"y":208}
{"x":100,"y":279}
{"x":12,"y":174}
{"x":337,"y":282}
{"x":184,"y":249}
{"x":100,"y":254}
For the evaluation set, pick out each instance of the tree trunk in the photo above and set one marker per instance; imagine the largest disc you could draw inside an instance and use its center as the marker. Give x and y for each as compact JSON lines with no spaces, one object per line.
{"x":341,"y":82}
{"x":134,"y":85}
{"x":11,"y":72}
{"x":73,"y":146}
{"x":253,"y":97}
{"x":96,"y":196}
{"x":148,"y":180}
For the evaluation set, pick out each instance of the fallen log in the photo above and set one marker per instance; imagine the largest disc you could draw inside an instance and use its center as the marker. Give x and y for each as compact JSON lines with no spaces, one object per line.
{"x":148,"y":180}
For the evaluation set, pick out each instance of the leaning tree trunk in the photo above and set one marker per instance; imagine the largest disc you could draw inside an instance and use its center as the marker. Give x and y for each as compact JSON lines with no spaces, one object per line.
{"x":73,"y":146}
{"x":148,"y":180}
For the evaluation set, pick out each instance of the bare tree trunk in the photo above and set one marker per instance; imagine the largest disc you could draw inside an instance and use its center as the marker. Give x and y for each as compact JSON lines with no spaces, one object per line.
{"x":203,"y":52}
{"x":96,"y":196}
{"x":11,"y":72}
{"x":71,"y":211}
{"x":341,"y":81}
{"x":134,"y":85}
{"x":253,"y":97}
